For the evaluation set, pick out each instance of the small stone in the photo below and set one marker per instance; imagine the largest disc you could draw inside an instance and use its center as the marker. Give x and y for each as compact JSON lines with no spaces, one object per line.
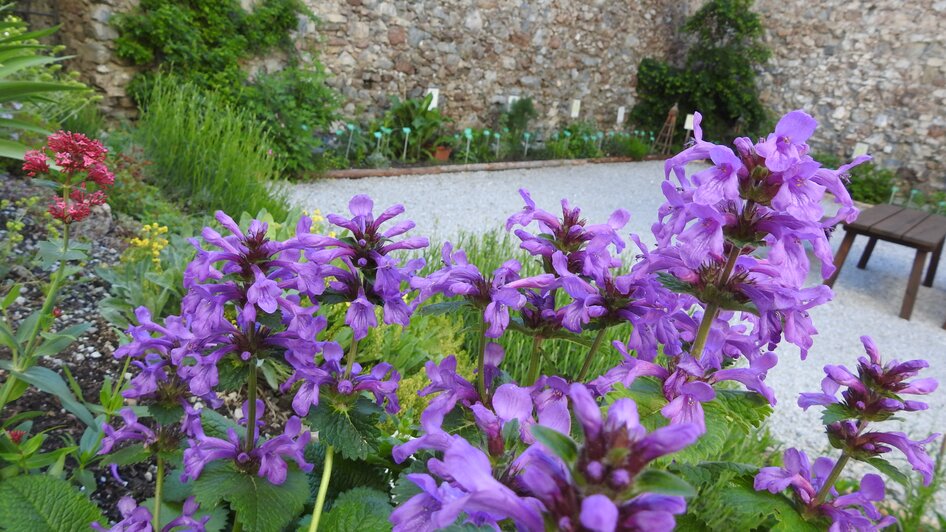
{"x":96,"y":354}
{"x":396,"y":35}
{"x":148,"y":476}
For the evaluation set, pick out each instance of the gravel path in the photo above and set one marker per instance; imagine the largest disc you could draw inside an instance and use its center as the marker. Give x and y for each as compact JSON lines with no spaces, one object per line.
{"x":866,"y":301}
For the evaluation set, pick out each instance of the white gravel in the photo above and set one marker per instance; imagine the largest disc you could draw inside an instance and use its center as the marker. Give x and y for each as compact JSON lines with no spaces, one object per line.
{"x":866,"y":301}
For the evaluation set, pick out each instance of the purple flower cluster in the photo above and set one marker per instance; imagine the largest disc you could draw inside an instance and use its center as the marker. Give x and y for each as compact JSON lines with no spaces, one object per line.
{"x":538,"y":488}
{"x":871,"y":395}
{"x":252,"y":298}
{"x":853,"y":511}
{"x":874,"y":395}
{"x":138,"y":519}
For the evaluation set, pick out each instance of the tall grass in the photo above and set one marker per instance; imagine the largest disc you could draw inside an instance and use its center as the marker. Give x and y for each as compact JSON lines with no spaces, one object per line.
{"x":207,"y":154}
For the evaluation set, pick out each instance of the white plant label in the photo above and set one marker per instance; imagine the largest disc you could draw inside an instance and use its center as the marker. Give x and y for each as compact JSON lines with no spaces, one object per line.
{"x":435,"y":101}
{"x":576,"y":108}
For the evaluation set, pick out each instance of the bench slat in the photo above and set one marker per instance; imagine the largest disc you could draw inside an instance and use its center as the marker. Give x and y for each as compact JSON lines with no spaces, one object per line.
{"x":928,"y":233}
{"x":899,"y":224}
{"x":874,"y":215}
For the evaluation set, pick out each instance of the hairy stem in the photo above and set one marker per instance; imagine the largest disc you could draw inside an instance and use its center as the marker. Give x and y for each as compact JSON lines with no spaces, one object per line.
{"x":832,"y":478}
{"x":352,"y":353}
{"x":535,"y":362}
{"x":323,"y":488}
{"x":591,"y":355}
{"x":251,"y":407}
{"x":159,"y":483}
{"x":481,"y":365}
{"x":712,"y":309}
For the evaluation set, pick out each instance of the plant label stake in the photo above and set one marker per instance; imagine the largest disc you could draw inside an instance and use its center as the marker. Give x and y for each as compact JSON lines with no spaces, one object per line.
{"x":407,"y":135}
{"x":527,"y":135}
{"x":351,"y":135}
{"x":468,"y":133}
{"x":497,"y":145}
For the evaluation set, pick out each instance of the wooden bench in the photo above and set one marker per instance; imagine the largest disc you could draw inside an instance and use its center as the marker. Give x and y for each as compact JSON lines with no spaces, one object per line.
{"x":913,"y":228}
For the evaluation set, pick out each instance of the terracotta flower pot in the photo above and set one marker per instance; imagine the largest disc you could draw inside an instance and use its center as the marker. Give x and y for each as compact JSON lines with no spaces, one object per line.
{"x":443,"y":153}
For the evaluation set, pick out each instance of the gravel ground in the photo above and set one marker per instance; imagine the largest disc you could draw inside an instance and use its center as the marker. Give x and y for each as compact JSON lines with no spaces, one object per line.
{"x":866,"y":301}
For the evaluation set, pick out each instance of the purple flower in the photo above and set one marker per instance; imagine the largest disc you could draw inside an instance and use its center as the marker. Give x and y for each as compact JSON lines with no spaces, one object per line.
{"x":186,"y":520}
{"x":784,"y":148}
{"x":853,"y":511}
{"x":134,"y":518}
{"x":721,"y":182}
{"x":131,"y":431}
{"x":469,"y":487}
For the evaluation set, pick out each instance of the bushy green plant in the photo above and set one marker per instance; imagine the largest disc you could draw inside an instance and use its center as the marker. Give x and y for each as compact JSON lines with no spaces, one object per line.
{"x":719,"y":76}
{"x":413,"y":121}
{"x":203,"y":42}
{"x":580,"y":140}
{"x":206,"y":153}
{"x":621,"y":144}
{"x":297,"y":107}
{"x":514,"y":123}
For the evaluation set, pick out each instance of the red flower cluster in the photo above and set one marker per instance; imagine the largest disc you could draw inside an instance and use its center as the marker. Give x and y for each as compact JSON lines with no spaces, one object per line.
{"x":74,"y":153}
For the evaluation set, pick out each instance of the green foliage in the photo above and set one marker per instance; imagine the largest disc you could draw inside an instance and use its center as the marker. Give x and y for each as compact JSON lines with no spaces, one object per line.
{"x":204,"y":42}
{"x":514,"y":123}
{"x":359,"y":509}
{"x":296,"y":106}
{"x":915,"y":506}
{"x":424,"y":124}
{"x":351,"y":428}
{"x":44,"y":503}
{"x":868,"y":182}
{"x":28,"y":79}
{"x":719,"y":77}
{"x":207,"y":154}
{"x":580,"y":140}
{"x":346,"y":474}
{"x":726,"y":500}
{"x":622,"y":144}
{"x":259,"y":505}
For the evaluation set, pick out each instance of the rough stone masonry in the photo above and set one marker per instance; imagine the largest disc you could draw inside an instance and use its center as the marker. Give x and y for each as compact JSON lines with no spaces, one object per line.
{"x":871,"y":72}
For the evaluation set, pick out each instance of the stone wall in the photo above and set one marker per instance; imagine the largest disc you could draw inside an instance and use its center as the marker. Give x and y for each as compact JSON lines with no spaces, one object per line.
{"x":870,"y":71}
{"x":479,"y":52}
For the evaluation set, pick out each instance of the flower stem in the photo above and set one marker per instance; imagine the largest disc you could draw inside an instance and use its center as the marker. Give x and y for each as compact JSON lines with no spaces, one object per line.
{"x":352,"y":353}
{"x":832,"y":478}
{"x":251,"y":407}
{"x":535,"y":362}
{"x":323,"y":488}
{"x":157,"y":494}
{"x":712,"y":309}
{"x":481,"y":365}
{"x":45,"y":311}
{"x":591,"y":355}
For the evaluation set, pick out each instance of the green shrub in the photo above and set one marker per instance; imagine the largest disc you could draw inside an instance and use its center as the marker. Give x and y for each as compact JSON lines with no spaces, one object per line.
{"x":719,"y":77}
{"x":206,"y":153}
{"x":868,"y":182}
{"x":514,"y":123}
{"x":297,"y":106}
{"x":424,"y":123}
{"x":624,"y":145}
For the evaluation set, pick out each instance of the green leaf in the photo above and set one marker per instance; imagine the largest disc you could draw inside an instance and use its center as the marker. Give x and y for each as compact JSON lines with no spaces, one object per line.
{"x":44,"y":503}
{"x":8,"y":338}
{"x":259,"y":505}
{"x":11,"y":296}
{"x":346,"y":474}
{"x":359,"y":509}
{"x":352,"y":429}
{"x":890,"y":470}
{"x":50,"y":382}
{"x":657,"y":481}
{"x":26,"y":327}
{"x":216,"y":425}
{"x":836,"y":412}
{"x":166,"y":415}
{"x":55,"y":343}
{"x":131,"y":454}
{"x":12,"y":149}
{"x":560,"y":444}
{"x":27,"y":90}
{"x":444,"y":307}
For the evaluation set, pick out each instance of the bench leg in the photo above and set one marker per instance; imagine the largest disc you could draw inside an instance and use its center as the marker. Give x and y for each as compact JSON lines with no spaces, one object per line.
{"x":934,"y":262}
{"x":913,"y":285}
{"x":861,"y":264}
{"x":840,"y":256}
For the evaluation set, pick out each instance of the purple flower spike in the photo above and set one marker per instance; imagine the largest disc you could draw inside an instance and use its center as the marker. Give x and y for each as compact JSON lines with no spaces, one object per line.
{"x":131,"y":431}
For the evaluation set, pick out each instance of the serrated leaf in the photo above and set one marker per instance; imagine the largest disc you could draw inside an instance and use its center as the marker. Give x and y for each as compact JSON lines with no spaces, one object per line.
{"x":259,"y":505}
{"x":560,"y":444}
{"x":166,"y":415}
{"x":890,"y":470}
{"x":357,"y":510}
{"x":836,"y":412}
{"x":217,"y":425}
{"x":353,"y":432}
{"x":657,"y":481}
{"x":346,"y":474}
{"x":44,"y":503}
{"x":131,"y":454}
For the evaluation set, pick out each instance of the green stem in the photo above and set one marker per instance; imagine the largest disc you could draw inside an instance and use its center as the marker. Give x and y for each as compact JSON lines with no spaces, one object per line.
{"x":591,"y":355}
{"x":323,"y":489}
{"x":237,"y":526}
{"x":712,"y":309}
{"x":832,"y":478}
{"x":352,"y":353}
{"x":157,"y":494}
{"x":45,"y":311}
{"x":535,"y":361}
{"x":481,"y":365}
{"x":251,"y":407}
